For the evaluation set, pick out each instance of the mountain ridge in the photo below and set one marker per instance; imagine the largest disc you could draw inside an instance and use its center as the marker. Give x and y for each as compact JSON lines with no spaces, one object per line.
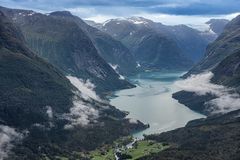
{"x":60,"y":45}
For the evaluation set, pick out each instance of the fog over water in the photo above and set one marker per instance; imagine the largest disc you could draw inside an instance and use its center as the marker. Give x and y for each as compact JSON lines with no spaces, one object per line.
{"x":151,"y":102}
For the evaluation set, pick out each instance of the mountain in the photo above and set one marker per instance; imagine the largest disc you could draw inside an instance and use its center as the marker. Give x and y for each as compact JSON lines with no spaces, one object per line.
{"x":42,"y":115}
{"x":222,"y":59}
{"x":227,"y":72}
{"x":226,"y":44}
{"x":152,"y":49}
{"x":28,"y":81}
{"x":111,"y":50}
{"x":191,"y":42}
{"x":63,"y":43}
{"x":217,"y":25}
{"x":215,"y":138}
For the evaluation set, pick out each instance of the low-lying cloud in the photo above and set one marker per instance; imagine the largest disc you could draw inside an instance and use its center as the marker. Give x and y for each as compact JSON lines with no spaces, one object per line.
{"x":7,"y":136}
{"x":86,"y":88}
{"x":227,"y":100}
{"x":81,"y":114}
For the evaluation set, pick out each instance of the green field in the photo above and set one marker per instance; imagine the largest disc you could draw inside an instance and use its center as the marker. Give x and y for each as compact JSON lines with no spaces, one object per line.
{"x":143,"y":148}
{"x":139,"y":149}
{"x":103,"y":154}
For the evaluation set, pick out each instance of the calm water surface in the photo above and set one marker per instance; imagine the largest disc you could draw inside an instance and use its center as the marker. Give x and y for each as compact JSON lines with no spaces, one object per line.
{"x":151,"y":102}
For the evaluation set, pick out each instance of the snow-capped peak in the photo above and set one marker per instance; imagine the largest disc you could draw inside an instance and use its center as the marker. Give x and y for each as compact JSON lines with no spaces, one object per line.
{"x":134,"y":20}
{"x":138,"y":20}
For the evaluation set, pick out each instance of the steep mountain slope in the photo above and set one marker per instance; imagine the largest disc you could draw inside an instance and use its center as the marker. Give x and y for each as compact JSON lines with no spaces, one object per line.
{"x":42,"y":115}
{"x":64,"y":44}
{"x":112,"y":51}
{"x":28,"y":81}
{"x":215,"y":138}
{"x":227,"y":71}
{"x":192,"y":42}
{"x":152,"y":49}
{"x":226,"y":44}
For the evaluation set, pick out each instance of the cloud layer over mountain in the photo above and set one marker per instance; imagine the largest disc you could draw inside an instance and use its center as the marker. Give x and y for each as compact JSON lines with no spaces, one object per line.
{"x":227,"y":100}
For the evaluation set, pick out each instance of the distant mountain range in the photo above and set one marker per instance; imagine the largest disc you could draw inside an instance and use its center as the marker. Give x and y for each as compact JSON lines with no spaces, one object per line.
{"x":189,"y":42}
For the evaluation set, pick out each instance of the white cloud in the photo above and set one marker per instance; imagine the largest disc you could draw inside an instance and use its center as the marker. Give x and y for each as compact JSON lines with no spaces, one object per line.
{"x":101,"y":18}
{"x":201,"y":84}
{"x":7,"y":136}
{"x":49,"y":112}
{"x":86,"y":88}
{"x":133,"y":121}
{"x":224,"y":103}
{"x":81,"y":114}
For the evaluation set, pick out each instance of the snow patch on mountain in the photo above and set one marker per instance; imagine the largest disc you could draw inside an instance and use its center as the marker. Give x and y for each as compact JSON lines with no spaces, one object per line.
{"x":115,"y":67}
{"x":137,"y":20}
{"x":138,"y":65}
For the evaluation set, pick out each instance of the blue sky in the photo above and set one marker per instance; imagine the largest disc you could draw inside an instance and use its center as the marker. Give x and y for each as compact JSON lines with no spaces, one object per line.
{"x":166,"y":11}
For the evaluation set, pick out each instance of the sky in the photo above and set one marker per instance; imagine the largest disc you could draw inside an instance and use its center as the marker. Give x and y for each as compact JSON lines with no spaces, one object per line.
{"x":171,"y":12}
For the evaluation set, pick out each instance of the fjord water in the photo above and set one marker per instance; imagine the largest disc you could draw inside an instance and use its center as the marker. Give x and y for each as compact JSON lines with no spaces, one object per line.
{"x":151,"y":102}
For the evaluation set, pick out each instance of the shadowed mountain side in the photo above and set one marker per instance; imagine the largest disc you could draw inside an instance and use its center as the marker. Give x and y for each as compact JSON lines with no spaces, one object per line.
{"x":64,"y":44}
